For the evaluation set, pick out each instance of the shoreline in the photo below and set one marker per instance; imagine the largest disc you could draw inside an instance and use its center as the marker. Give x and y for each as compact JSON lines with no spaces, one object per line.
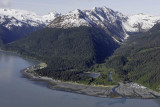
{"x":67,"y":86}
{"x":128,"y":90}
{"x":23,"y":56}
{"x":105,"y":92}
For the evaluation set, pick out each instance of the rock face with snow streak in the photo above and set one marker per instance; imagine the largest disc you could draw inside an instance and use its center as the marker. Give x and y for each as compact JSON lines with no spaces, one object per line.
{"x":96,"y":16}
{"x":113,"y":22}
{"x":103,"y":18}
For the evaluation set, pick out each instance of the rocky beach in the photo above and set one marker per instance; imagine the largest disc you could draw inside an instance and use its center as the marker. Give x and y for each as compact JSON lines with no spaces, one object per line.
{"x":123,"y":90}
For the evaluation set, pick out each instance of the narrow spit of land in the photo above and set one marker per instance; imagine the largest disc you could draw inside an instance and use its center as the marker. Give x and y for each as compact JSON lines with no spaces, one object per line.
{"x":127,"y":90}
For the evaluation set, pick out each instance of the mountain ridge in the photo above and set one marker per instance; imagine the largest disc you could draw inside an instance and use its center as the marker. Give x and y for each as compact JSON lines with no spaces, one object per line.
{"x":20,"y":23}
{"x":109,"y":14}
{"x":116,"y":24}
{"x":103,"y":18}
{"x":30,"y":18}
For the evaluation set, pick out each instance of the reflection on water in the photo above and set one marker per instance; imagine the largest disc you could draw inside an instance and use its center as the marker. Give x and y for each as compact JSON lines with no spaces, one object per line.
{"x":16,"y":91}
{"x":116,"y":101}
{"x":5,"y":74}
{"x":111,"y":102}
{"x":157,"y":101}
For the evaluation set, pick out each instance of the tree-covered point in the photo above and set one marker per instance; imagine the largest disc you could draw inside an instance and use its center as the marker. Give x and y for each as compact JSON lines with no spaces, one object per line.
{"x":66,"y":49}
{"x":138,"y":59}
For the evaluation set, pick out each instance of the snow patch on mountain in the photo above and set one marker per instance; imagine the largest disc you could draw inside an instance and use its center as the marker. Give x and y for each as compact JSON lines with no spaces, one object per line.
{"x":74,"y":18}
{"x":96,"y":16}
{"x":140,"y":22}
{"x":113,"y":22}
{"x":100,"y":17}
{"x":15,"y":17}
{"x":49,"y":17}
{"x":107,"y":19}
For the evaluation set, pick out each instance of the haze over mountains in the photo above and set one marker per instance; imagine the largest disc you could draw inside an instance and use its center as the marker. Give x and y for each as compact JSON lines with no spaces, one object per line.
{"x":113,"y":22}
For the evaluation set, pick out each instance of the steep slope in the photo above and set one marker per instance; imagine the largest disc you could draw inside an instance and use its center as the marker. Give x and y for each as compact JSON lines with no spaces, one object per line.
{"x":20,"y":23}
{"x":117,"y":25}
{"x":13,"y":29}
{"x":82,"y":38}
{"x":72,"y":49}
{"x":104,"y":18}
{"x":139,"y":59}
{"x":5,"y":35}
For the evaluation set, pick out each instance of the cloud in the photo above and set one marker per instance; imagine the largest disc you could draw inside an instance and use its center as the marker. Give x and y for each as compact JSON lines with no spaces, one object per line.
{"x":5,"y":3}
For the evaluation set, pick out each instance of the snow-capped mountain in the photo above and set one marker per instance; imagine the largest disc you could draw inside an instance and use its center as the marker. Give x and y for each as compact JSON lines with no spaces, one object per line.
{"x":140,"y":22}
{"x":47,"y":19}
{"x":96,"y":16}
{"x":19,"y":23}
{"x":104,"y":18}
{"x":113,"y":22}
{"x":13,"y":17}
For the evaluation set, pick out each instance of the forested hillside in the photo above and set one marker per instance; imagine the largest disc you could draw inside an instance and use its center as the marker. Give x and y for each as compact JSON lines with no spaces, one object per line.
{"x":4,"y":34}
{"x":72,"y":49}
{"x":69,"y":52}
{"x":138,"y":59}
{"x":15,"y":33}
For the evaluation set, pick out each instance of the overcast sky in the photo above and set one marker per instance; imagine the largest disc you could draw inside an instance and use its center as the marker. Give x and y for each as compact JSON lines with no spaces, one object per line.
{"x":42,"y":7}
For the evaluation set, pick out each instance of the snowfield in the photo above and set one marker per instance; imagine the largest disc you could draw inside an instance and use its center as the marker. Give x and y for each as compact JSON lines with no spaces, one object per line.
{"x":14,"y":17}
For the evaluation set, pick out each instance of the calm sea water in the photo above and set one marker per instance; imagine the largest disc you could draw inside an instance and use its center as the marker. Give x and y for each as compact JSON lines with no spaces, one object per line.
{"x":16,"y":91}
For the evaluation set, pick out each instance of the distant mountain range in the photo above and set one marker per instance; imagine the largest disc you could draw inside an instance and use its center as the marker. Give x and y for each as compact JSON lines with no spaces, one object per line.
{"x":19,"y":23}
{"x":18,"y":18}
{"x":113,"y":22}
